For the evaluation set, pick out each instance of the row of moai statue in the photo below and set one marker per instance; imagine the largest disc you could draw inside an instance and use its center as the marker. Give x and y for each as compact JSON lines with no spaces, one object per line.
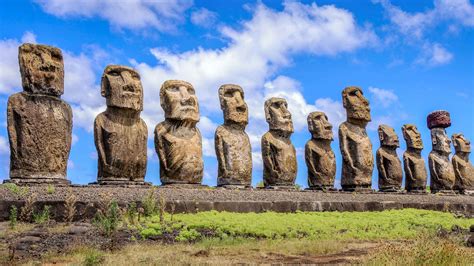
{"x":40,"y":128}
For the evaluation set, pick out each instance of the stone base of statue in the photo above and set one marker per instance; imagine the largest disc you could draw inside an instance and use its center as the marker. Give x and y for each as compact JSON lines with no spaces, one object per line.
{"x":395,"y":189}
{"x":420,"y":190}
{"x":357,"y":188}
{"x":121,"y":182}
{"x":281,"y":187}
{"x":22,"y":181}
{"x":468,"y":192}
{"x":443,"y":192}
{"x":322,"y":188}
{"x":237,"y":187}
{"x":184,"y":185}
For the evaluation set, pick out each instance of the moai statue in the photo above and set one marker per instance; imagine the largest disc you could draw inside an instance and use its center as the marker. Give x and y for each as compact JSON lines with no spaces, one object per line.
{"x":278,"y":153}
{"x":177,"y":139}
{"x":120,"y":135}
{"x":413,"y":163}
{"x":39,"y":122}
{"x":389,"y":165}
{"x":355,"y":145}
{"x":319,"y":156}
{"x":441,"y":169}
{"x":232,"y":144}
{"x":463,"y":169}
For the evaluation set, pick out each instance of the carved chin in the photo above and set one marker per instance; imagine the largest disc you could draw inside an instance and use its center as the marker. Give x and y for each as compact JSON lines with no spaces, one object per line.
{"x":239,"y":118}
{"x":360,"y":115}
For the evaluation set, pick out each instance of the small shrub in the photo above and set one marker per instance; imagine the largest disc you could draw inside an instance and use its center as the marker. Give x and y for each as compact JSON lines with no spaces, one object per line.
{"x":188,"y":235}
{"x":93,"y":257}
{"x":132,"y":214}
{"x":26,"y":211}
{"x":149,"y":232}
{"x":108,"y":222}
{"x":149,"y":203}
{"x":15,"y":189}
{"x":70,"y":206}
{"x":50,"y":189}
{"x":13,"y":216}
{"x":260,"y":185}
{"x":43,"y":216}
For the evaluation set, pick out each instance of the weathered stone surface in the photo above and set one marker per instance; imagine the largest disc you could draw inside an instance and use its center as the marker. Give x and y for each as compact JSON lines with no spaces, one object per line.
{"x":120,"y":134}
{"x":389,"y":165}
{"x":319,"y":157}
{"x":39,"y":123}
{"x":178,"y":141}
{"x":232,"y":144}
{"x":441,"y":169}
{"x":414,"y":164}
{"x":463,"y":169}
{"x":278,"y":153}
{"x":440,"y":119}
{"x":355,"y":145}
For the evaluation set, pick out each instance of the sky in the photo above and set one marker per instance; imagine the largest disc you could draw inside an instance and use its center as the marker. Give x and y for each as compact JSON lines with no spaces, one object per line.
{"x":409,"y":57}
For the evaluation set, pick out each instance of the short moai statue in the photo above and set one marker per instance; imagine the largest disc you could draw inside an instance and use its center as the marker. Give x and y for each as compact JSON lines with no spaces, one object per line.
{"x":278,"y":153}
{"x":319,"y":157}
{"x":389,"y":165}
{"x":120,"y":135}
{"x":355,"y":145}
{"x":178,"y":141}
{"x":441,"y":169}
{"x":463,"y":169}
{"x":39,"y":123}
{"x":413,"y":163}
{"x":232,"y":144}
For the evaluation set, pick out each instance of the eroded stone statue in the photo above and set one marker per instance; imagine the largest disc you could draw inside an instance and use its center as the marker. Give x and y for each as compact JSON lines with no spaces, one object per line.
{"x":355,"y":145}
{"x":39,"y":122}
{"x":120,"y":135}
{"x":463,"y":169}
{"x":389,"y":165}
{"x":319,"y":156}
{"x":232,"y":144}
{"x":441,"y":169}
{"x":177,"y":139}
{"x":413,"y":163}
{"x":278,"y":153}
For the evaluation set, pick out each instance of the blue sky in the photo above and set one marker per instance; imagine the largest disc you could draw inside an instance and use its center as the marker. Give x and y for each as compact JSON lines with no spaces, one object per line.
{"x":409,"y":57}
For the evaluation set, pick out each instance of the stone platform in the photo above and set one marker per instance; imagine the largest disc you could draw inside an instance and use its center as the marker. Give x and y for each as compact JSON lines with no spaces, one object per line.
{"x":88,"y":198}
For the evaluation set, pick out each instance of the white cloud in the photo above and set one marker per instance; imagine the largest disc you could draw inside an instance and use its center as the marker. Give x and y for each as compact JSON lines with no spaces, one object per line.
{"x":4,"y":146}
{"x":203,"y":17}
{"x":28,"y":37}
{"x":434,"y":55}
{"x":383,"y":97}
{"x":128,"y":14}
{"x":70,"y":164}
{"x":75,"y":139}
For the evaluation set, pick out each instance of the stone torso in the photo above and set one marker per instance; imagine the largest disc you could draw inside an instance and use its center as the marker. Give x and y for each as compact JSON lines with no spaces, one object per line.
{"x":442,"y":172}
{"x":415,"y":171}
{"x":234,"y":156}
{"x":389,"y":167}
{"x":464,"y":172}
{"x":39,"y":128}
{"x":121,"y":144}
{"x":359,"y":151}
{"x":279,"y":157}
{"x":321,"y":163}
{"x":180,"y":157}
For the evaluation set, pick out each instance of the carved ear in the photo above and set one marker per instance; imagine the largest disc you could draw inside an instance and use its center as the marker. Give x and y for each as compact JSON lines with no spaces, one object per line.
{"x":380,"y":134}
{"x":103,"y":86}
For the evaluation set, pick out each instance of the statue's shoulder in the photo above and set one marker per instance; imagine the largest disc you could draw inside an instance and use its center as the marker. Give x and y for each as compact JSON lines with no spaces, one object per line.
{"x":161,"y":128}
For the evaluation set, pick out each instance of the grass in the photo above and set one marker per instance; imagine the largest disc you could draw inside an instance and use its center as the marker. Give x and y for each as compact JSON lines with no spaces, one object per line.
{"x":390,"y":224}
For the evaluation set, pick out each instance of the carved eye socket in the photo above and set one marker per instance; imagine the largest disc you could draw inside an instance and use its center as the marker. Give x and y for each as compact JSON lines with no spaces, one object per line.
{"x":57,"y":56}
{"x":173,"y":89}
{"x":229,"y":94}
{"x":135,"y":75}
{"x":114,"y":73}
{"x":353,"y":93}
{"x":191,"y":91}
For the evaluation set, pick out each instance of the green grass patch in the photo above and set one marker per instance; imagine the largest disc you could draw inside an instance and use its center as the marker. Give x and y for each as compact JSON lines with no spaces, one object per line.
{"x":385,"y":225}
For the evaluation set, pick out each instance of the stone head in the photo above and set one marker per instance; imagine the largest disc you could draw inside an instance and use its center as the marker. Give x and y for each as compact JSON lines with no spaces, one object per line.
{"x":232,"y":102}
{"x":412,"y":136}
{"x":277,"y":115}
{"x":461,"y":144}
{"x":178,"y":100}
{"x":122,"y":88}
{"x":388,"y":137}
{"x":319,"y":126}
{"x":42,"y":69}
{"x":356,"y":105}
{"x":440,"y":140}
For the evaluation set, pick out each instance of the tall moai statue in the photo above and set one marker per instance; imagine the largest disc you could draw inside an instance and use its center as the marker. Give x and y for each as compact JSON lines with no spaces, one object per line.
{"x":39,"y":122}
{"x":355,"y":145}
{"x":441,"y":169}
{"x":413,"y":163}
{"x":178,"y":141}
{"x":389,"y":165}
{"x":463,"y":169}
{"x":232,"y":144}
{"x":319,"y":156}
{"x":120,"y":135}
{"x":278,"y":153}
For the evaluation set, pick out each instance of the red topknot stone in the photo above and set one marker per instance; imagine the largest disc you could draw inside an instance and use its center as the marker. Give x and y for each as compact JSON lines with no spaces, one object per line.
{"x":438,"y":119}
